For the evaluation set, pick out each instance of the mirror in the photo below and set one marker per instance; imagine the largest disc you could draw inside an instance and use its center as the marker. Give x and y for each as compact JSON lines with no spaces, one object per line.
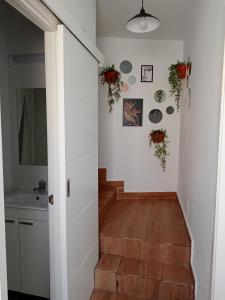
{"x":32,"y":126}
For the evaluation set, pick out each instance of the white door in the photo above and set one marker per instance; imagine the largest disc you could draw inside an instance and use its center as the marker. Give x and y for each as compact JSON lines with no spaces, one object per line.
{"x":78,"y":164}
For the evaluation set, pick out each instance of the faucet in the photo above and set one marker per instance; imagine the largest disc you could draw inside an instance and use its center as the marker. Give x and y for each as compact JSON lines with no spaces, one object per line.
{"x":41,"y":187}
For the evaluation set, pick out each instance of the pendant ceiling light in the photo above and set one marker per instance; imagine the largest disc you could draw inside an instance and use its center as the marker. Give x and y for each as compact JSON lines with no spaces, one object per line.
{"x":143,"y":22}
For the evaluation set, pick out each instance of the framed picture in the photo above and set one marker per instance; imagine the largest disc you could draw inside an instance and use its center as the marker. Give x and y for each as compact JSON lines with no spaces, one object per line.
{"x":147,"y":73}
{"x":132,"y":112}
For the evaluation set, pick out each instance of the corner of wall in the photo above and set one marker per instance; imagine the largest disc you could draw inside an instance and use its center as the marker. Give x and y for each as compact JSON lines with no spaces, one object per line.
{"x":192,"y":240}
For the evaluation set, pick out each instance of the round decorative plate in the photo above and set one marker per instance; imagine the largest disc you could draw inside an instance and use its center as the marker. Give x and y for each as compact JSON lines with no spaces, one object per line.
{"x":170,"y":110}
{"x":155,"y":116}
{"x":160,"y":96}
{"x":132,"y":79}
{"x":125,"y":88}
{"x":126,"y":67}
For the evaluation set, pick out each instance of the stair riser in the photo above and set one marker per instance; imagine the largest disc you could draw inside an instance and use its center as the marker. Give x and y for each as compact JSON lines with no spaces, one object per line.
{"x":163,"y":253}
{"x":103,"y":212}
{"x":102,"y":173}
{"x":105,"y":281}
{"x":152,"y":289}
{"x":141,"y":287}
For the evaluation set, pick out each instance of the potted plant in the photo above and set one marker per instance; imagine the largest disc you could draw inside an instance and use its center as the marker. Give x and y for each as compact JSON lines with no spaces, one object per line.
{"x":112,"y":77}
{"x":159,"y":139}
{"x":177,"y":72}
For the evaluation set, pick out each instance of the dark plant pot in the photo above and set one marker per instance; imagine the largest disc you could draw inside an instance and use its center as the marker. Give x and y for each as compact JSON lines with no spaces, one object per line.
{"x":157,"y":136}
{"x":182,"y":71}
{"x":111,"y":76}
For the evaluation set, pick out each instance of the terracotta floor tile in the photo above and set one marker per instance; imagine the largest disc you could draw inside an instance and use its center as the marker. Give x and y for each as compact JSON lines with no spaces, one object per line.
{"x":110,"y":245}
{"x":152,"y":270}
{"x":177,"y":274}
{"x":131,"y":267}
{"x":105,"y":280}
{"x":132,"y":248}
{"x":109,"y":262}
{"x":180,"y":292}
{"x":152,"y":220}
{"x":176,"y":255}
{"x":141,"y":287}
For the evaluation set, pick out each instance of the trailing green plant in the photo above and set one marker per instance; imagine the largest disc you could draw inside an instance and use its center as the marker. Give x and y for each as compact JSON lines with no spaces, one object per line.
{"x":159,"y":139}
{"x":112,"y":77}
{"x":175,"y":80}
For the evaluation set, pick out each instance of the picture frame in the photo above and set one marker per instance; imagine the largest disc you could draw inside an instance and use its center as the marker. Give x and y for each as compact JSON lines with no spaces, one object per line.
{"x":132,"y":112}
{"x":147,"y":72}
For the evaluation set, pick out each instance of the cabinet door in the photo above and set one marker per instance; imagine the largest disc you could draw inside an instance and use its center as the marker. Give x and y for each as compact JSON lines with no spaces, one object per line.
{"x":34,"y":257}
{"x":12,"y":252}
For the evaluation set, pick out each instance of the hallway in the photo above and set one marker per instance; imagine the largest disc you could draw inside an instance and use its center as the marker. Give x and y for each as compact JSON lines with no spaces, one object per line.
{"x":145,"y":248}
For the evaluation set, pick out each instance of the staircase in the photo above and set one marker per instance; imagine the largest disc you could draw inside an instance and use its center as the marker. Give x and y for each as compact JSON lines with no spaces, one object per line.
{"x":144,"y":244}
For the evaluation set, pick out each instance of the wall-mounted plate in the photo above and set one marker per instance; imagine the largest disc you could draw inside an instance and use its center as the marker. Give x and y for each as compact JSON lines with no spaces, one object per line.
{"x":160,"y":96}
{"x":126,"y":67}
{"x":125,"y":88}
{"x":170,"y":110}
{"x":132,"y":80}
{"x":155,"y":116}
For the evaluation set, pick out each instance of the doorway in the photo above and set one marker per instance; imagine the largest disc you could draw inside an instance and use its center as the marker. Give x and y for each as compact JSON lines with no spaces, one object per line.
{"x":25,"y":162}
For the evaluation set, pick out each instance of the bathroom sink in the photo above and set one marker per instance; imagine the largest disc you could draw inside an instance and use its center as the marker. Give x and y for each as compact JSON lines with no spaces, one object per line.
{"x":27,"y":200}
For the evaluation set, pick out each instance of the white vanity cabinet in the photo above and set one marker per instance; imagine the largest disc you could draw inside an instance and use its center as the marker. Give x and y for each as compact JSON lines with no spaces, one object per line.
{"x":28,"y":251}
{"x":13,"y":260}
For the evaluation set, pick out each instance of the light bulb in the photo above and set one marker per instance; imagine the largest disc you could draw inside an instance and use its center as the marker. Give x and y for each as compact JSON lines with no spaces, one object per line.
{"x":143,"y":24}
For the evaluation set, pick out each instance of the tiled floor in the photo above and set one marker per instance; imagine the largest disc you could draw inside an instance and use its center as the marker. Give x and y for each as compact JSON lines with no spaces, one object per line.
{"x":20,"y":296}
{"x":158,"y":221}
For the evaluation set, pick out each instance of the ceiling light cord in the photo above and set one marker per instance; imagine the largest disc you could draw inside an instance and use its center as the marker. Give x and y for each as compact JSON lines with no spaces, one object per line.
{"x":142,"y":8}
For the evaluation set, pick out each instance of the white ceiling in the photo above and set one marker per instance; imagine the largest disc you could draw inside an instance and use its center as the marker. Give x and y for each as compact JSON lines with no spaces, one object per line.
{"x":113,"y":14}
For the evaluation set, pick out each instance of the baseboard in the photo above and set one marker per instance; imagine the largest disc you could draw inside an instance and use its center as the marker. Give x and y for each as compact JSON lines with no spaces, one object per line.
{"x":145,"y":195}
{"x":191,"y":241}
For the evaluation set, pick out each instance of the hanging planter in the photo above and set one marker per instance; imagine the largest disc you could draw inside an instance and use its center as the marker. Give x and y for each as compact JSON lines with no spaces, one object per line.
{"x":177,"y":72}
{"x":112,"y":77}
{"x":158,"y":138}
{"x":182,"y":70}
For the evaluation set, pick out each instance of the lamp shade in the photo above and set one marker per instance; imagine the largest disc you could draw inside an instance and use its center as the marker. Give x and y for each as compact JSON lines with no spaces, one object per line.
{"x":143,"y":22}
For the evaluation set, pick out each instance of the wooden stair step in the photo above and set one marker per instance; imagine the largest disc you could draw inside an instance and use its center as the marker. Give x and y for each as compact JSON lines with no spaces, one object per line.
{"x":143,"y":279}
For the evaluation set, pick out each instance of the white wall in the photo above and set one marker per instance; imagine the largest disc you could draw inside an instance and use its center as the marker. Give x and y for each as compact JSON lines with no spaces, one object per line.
{"x":76,"y":12}
{"x":21,"y":37}
{"x":125,"y":151}
{"x":199,"y":135}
